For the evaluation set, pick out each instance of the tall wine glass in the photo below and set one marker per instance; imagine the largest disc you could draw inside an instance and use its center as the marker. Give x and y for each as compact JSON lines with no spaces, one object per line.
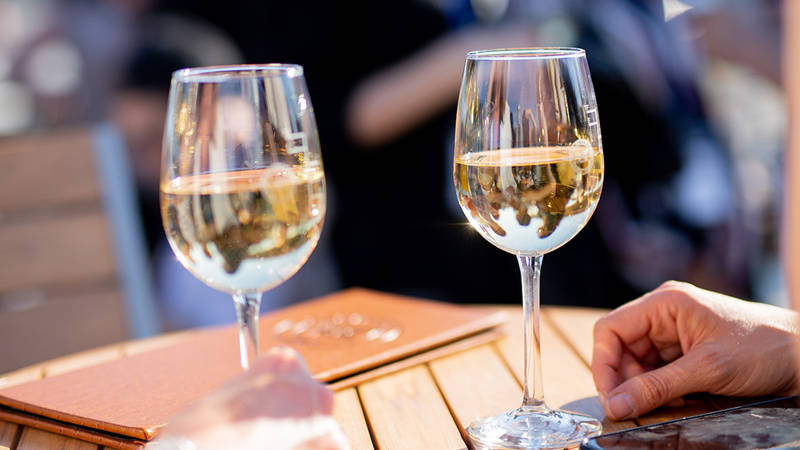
{"x":528,"y":174}
{"x":242,"y":186}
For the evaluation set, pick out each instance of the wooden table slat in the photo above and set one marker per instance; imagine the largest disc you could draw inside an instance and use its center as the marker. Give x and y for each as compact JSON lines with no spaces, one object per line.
{"x":405,"y":410}
{"x":33,"y":439}
{"x":476,"y":383}
{"x":36,"y":254}
{"x":8,"y":433}
{"x":576,"y":325}
{"x":347,"y":411}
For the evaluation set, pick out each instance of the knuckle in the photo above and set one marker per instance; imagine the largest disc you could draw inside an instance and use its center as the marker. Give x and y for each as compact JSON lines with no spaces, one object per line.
{"x":673,"y":285}
{"x":677,"y":294}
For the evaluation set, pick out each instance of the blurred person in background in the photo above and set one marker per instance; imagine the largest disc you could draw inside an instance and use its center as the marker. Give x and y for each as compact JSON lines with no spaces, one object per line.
{"x":384,"y":101}
{"x":384,"y":98}
{"x":669,"y":187}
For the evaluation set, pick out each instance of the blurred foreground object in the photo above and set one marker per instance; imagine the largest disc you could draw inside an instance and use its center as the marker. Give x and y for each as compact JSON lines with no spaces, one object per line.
{"x":275,"y":405}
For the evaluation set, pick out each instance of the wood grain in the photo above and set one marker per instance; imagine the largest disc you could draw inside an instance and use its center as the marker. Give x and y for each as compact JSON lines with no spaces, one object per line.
{"x":347,"y":411}
{"x":57,"y":251}
{"x":33,"y":439}
{"x":8,"y":432}
{"x":476,"y":383}
{"x":32,"y":166}
{"x":406,"y":411}
{"x":420,"y":358}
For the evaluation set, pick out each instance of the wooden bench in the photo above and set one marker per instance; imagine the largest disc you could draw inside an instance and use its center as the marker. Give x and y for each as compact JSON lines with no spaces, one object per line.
{"x":65,"y":249}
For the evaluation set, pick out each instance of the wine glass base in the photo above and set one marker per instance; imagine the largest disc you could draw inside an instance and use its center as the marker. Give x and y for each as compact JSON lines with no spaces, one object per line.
{"x":525,"y":429}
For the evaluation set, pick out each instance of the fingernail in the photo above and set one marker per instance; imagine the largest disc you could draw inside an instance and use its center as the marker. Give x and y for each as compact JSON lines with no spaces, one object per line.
{"x":620,"y":406}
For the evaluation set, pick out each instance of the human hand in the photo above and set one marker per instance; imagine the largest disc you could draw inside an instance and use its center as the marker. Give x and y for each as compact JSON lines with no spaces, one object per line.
{"x":275,"y":405}
{"x":680,"y":339}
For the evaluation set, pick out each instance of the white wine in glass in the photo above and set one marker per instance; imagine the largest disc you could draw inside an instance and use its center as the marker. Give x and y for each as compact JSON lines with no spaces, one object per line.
{"x":242,"y":185}
{"x":528,"y":175}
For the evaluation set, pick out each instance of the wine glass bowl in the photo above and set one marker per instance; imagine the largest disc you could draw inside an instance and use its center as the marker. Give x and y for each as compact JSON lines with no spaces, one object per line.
{"x":554,"y":190}
{"x":254,"y":230}
{"x":528,"y":173}
{"x":242,"y":183}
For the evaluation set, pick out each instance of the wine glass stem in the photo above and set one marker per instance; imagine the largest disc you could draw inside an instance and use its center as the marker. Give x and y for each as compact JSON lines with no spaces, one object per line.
{"x":247,"y":306}
{"x":533,"y":397}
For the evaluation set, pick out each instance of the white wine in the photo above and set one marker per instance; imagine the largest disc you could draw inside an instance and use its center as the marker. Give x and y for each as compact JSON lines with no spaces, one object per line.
{"x":245,"y":231}
{"x":529,"y":201}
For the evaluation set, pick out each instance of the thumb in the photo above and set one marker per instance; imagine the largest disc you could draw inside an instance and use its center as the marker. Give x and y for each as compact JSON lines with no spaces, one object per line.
{"x":649,"y":390}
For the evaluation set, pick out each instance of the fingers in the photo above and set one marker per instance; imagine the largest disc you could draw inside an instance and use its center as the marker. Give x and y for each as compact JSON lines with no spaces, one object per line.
{"x":606,"y":360}
{"x":281,"y":360}
{"x":278,"y":384}
{"x":649,"y":390}
{"x":277,"y":363}
{"x":630,"y":366}
{"x":652,"y":312}
{"x":634,"y":328}
{"x":325,"y":398}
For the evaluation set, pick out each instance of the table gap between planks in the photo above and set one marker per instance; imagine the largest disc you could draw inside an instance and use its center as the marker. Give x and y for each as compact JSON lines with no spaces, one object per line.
{"x":423,"y":407}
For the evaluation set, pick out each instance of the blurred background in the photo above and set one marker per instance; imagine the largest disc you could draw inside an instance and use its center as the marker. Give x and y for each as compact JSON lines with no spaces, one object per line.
{"x":690,"y":106}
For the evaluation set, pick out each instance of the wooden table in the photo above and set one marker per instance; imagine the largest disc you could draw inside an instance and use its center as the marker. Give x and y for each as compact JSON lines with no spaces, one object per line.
{"x":426,"y":406}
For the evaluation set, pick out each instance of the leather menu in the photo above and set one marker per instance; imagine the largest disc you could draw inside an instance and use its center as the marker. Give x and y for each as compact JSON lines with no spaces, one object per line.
{"x":130,"y":399}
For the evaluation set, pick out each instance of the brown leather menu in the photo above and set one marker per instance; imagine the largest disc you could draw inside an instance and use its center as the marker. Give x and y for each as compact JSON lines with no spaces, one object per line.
{"x":346,"y":333}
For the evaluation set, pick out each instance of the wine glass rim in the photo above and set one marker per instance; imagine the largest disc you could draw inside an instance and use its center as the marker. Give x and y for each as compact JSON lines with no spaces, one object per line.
{"x":528,"y":53}
{"x":212,"y":74}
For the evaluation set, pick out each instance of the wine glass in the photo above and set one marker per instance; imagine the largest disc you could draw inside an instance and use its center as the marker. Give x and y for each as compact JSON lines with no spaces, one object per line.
{"x":528,"y":174}
{"x":242,"y":186}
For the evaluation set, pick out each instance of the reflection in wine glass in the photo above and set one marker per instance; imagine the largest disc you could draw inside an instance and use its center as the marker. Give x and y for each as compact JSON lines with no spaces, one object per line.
{"x":528,"y":174}
{"x":242,"y":185}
